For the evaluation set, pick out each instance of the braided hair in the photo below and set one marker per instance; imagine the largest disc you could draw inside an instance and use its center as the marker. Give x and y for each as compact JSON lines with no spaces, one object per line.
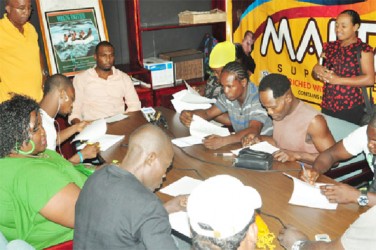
{"x":236,"y":68}
{"x":15,"y":122}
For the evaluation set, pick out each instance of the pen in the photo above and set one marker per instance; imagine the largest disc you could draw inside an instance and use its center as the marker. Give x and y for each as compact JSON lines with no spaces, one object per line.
{"x":223,"y":154}
{"x":304,"y":170}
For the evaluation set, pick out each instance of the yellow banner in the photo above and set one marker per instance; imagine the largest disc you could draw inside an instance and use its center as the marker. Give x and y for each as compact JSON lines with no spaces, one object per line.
{"x":290,"y":37}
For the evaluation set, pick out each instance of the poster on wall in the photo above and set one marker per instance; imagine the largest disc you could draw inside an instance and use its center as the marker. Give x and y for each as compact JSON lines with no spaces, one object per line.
{"x":289,"y":38}
{"x":70,"y":35}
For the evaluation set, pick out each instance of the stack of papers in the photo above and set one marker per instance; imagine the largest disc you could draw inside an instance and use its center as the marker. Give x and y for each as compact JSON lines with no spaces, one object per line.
{"x":263,"y":146}
{"x":96,"y":132}
{"x":189,"y":99}
{"x":308,"y":195}
{"x":199,"y":129}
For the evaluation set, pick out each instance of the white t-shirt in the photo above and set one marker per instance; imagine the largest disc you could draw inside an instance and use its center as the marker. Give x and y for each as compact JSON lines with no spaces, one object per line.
{"x":49,"y":127}
{"x":362,"y":233}
{"x":357,"y":142}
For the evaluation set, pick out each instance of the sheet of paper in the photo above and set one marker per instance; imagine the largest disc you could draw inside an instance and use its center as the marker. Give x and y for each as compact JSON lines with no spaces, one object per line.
{"x":179,"y":222}
{"x":308,"y":195}
{"x":116,"y":118}
{"x":92,"y":132}
{"x":105,"y":142}
{"x":263,"y":146}
{"x":186,"y":141}
{"x":184,"y":185}
{"x":201,"y":128}
{"x":179,"y":106}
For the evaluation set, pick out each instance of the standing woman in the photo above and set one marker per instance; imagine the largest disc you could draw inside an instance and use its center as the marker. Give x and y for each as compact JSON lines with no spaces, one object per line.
{"x":340,"y":72}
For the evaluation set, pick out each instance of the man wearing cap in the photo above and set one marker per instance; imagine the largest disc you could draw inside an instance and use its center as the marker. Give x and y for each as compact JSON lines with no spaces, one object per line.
{"x":297,"y":143}
{"x":221,"y":54}
{"x":221,"y":212}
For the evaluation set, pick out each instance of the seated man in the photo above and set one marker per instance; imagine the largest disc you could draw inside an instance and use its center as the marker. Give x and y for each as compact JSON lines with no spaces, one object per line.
{"x":58,"y":98}
{"x":299,"y":130}
{"x":362,"y":140}
{"x":240,"y":101}
{"x":103,"y":91}
{"x":221,"y":54}
{"x":221,"y":212}
{"x":117,"y":208}
{"x":243,"y":52}
{"x":360,"y":235}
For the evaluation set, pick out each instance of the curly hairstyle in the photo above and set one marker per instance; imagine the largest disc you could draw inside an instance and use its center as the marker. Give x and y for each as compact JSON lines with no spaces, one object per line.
{"x":15,"y":122}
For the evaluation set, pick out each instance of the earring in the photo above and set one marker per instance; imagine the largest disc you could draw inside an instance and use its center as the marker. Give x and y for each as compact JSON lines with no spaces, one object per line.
{"x":27,"y":152}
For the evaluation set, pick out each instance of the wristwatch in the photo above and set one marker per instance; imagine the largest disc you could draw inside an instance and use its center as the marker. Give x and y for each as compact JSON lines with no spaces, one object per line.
{"x":363,"y":198}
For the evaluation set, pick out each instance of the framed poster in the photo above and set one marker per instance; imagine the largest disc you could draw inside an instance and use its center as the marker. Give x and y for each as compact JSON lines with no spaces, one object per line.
{"x":71,"y":30}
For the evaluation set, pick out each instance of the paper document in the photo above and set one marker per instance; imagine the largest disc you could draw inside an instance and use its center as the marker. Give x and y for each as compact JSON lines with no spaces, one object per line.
{"x":179,"y":222}
{"x":92,"y":132}
{"x":263,"y":146}
{"x":115,"y":118}
{"x":189,"y":99}
{"x":105,"y":141}
{"x":201,"y":128}
{"x":186,"y":141}
{"x":179,"y":106}
{"x":308,"y":195}
{"x":184,"y":185}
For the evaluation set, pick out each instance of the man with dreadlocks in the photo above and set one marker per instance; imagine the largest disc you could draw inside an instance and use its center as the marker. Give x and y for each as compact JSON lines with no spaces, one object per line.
{"x":240,"y":101}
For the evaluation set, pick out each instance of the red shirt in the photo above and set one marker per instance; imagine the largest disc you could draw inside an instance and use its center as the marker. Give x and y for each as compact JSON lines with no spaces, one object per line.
{"x":343,"y":61}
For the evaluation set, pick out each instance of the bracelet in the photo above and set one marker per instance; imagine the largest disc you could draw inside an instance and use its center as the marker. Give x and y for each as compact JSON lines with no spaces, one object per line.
{"x":81,"y":156}
{"x":297,"y":245}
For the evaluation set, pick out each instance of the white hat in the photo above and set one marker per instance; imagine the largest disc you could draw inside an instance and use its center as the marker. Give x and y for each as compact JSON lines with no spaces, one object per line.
{"x":221,"y":206}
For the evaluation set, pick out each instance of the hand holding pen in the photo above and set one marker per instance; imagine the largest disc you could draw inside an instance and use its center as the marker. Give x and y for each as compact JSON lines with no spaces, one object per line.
{"x":308,"y":175}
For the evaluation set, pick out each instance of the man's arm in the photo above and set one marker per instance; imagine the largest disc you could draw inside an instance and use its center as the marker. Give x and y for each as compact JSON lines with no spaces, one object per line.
{"x":214,"y":141}
{"x":343,"y":193}
{"x":60,"y":208}
{"x":325,"y":161}
{"x":329,"y":157}
{"x":130,"y":95}
{"x":288,"y":236}
{"x":76,"y":115}
{"x":321,"y":137}
{"x":64,"y":134}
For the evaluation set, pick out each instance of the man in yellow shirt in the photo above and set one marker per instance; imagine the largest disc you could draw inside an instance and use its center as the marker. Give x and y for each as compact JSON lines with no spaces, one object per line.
{"x":20,"y":59}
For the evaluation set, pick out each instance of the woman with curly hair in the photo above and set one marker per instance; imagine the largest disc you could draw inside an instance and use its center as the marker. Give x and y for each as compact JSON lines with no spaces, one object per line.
{"x":38,"y":187}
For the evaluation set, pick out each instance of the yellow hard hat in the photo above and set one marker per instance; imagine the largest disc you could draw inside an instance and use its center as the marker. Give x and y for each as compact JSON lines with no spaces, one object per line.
{"x":222,"y":54}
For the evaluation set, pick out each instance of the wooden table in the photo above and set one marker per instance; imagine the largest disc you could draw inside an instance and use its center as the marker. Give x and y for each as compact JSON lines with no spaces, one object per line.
{"x":274,"y":188}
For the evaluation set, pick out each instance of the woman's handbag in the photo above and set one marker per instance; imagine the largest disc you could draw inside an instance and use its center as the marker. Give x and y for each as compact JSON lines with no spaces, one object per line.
{"x":252,"y":159}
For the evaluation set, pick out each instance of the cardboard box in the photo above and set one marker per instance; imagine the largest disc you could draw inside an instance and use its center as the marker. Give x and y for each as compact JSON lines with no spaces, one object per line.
{"x":188,"y":64}
{"x":193,"y":17}
{"x":162,"y":72}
